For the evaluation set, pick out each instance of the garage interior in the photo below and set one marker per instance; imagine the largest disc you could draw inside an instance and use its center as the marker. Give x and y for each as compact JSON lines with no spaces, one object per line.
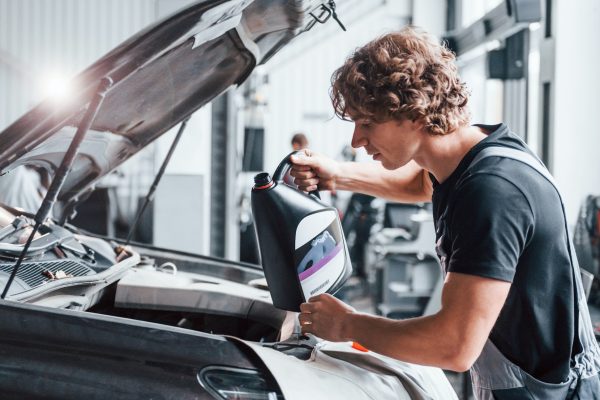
{"x":530,"y":64}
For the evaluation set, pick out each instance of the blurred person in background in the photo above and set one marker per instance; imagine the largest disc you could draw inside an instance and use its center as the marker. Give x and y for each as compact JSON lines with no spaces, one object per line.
{"x":299,"y":142}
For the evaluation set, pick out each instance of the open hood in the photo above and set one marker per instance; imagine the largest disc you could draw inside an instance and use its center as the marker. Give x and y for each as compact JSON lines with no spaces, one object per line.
{"x":161,"y":76}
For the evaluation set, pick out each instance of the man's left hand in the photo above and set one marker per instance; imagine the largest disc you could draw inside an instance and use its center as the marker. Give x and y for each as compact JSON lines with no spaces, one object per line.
{"x":326,"y":317}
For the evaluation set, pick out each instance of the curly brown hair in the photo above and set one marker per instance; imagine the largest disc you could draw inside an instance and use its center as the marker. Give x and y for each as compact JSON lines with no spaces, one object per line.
{"x":402,"y":75}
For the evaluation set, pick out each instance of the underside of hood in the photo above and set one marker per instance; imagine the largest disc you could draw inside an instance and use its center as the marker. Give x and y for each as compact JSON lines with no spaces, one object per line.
{"x":160,"y":76}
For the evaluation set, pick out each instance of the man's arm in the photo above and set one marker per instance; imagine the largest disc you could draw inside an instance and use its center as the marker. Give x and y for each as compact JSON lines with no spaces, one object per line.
{"x":451,"y":339}
{"x":408,"y":184}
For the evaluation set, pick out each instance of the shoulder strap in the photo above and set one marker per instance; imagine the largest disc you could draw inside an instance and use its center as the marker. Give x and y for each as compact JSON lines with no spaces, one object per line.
{"x":519,"y":155}
{"x":507,"y":152}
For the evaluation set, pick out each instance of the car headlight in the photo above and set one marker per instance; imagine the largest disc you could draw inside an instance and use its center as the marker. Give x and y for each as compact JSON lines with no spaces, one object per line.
{"x":238,"y":384}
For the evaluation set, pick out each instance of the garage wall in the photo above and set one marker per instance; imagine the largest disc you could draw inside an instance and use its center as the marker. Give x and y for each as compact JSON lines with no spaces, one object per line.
{"x":41,"y":41}
{"x":576,"y":147}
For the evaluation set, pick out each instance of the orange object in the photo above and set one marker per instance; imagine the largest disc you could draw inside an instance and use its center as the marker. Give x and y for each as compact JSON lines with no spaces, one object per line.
{"x":359,"y":347}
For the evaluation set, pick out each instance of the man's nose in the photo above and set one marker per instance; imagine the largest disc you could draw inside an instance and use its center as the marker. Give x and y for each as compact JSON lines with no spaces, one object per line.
{"x":358,"y":139}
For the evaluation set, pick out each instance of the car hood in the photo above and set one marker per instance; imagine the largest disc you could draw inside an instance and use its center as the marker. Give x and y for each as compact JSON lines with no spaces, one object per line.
{"x":160,"y":76}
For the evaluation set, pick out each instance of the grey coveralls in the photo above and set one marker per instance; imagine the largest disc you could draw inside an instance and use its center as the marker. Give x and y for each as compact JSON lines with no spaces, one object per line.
{"x":495,"y":377}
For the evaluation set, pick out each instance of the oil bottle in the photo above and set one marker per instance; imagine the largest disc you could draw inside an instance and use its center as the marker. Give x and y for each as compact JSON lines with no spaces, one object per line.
{"x":301,"y":242}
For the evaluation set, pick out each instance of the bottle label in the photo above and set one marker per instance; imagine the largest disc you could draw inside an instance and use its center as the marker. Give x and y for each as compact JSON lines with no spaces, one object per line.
{"x":321,"y":252}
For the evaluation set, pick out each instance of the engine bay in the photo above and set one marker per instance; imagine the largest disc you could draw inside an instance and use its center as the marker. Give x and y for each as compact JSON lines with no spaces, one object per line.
{"x":67,"y":269}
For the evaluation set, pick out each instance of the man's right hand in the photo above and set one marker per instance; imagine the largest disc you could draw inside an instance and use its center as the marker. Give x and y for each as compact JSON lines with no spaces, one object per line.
{"x":314,"y":171}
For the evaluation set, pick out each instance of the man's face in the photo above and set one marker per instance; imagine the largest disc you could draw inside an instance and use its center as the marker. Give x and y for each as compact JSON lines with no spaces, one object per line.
{"x":393,"y":143}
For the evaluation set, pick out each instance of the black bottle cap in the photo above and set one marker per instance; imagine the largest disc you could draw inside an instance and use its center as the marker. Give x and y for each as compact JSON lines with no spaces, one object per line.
{"x":262,"y":180}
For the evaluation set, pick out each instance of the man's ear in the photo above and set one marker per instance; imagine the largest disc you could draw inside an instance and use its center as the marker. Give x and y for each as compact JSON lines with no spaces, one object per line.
{"x":413,"y":125}
{"x":419,"y":125}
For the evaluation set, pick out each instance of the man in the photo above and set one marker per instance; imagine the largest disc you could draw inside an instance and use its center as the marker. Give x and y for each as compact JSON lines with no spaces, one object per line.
{"x":508,"y":303}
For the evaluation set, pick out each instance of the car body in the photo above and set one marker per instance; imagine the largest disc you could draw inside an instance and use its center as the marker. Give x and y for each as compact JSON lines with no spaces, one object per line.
{"x":87,"y":319}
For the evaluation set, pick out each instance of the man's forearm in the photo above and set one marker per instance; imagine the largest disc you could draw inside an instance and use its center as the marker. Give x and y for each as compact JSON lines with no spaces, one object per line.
{"x":451,"y":339}
{"x":408,"y":184}
{"x":416,"y":340}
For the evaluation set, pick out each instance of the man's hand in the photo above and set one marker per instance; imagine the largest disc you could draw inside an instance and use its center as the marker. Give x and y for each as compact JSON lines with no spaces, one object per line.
{"x":312,"y":171}
{"x":325,"y":316}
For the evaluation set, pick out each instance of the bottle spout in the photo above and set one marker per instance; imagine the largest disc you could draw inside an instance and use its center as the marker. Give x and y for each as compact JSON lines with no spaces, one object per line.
{"x":262,"y":181}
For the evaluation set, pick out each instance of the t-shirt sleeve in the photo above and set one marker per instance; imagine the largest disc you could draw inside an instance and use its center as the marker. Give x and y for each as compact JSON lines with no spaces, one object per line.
{"x":490,"y":225}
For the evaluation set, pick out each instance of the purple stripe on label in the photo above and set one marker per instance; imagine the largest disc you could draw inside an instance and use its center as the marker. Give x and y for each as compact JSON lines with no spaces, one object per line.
{"x":305,"y":274}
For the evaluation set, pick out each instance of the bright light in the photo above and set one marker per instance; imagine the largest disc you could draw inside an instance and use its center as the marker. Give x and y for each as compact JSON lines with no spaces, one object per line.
{"x":56,"y":86}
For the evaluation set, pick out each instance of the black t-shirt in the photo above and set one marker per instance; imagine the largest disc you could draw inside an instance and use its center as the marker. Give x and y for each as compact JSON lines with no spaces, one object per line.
{"x":504,"y":221}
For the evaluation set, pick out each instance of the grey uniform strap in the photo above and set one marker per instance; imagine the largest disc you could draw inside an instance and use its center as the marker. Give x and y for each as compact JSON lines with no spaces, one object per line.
{"x":519,"y":155}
